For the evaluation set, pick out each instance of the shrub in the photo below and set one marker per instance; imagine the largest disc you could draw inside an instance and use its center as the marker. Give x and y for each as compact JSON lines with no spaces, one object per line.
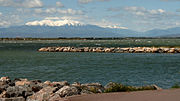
{"x":116,"y":87}
{"x":176,"y":86}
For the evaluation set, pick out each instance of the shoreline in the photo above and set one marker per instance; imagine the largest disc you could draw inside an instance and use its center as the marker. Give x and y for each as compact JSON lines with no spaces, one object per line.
{"x":158,"y":95}
{"x":85,"y":38}
{"x":111,"y":49}
{"x":36,"y":90}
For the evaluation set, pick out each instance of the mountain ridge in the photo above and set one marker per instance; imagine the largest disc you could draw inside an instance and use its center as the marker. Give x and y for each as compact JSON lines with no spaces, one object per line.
{"x":70,"y":30}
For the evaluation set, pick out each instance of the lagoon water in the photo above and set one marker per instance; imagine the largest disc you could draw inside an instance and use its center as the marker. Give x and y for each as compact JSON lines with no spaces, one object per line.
{"x":20,"y":59}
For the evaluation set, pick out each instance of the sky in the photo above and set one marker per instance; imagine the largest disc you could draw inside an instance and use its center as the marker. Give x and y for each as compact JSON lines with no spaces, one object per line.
{"x":138,"y":15}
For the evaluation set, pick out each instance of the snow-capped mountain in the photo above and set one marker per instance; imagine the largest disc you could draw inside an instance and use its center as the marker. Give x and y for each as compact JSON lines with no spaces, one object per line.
{"x":48,"y":22}
{"x":70,"y":28}
{"x":54,"y":29}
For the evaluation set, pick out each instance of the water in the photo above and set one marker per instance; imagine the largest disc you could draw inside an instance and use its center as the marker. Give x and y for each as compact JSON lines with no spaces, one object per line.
{"x":21,"y":60}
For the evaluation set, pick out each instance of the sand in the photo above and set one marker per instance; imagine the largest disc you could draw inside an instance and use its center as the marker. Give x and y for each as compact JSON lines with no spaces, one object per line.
{"x":159,"y":95}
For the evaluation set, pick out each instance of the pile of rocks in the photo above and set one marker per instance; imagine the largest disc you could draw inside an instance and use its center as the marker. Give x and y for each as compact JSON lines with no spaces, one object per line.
{"x":35,"y":90}
{"x":111,"y":50}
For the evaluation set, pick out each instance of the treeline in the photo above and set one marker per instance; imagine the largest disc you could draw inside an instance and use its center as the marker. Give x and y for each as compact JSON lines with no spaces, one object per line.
{"x":90,"y":38}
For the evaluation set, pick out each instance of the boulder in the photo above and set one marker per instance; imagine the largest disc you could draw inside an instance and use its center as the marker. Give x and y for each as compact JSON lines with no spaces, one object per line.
{"x":22,"y":82}
{"x":55,"y":97}
{"x":94,"y":50}
{"x":59,"y":84}
{"x":93,"y":87}
{"x":5,"y":82}
{"x":85,"y":91}
{"x":139,"y":50}
{"x":131,"y":50}
{"x":76,"y":84}
{"x":66,"y":49}
{"x":43,"y":49}
{"x":178,"y":50}
{"x":86,"y":49}
{"x":13,"y":99}
{"x":80,"y":50}
{"x":56,"y":84}
{"x":47,"y":82}
{"x":52,"y":49}
{"x":166,"y":50}
{"x":44,"y":94}
{"x":68,"y":91}
{"x":155,"y":50}
{"x":35,"y":85}
{"x":156,"y":87}
{"x":172,"y":50}
{"x":3,"y":88}
{"x":59,"y":49}
{"x":110,"y":85}
{"x":100,"y":49}
{"x":125,"y":50}
{"x":107,"y":50}
{"x":148,"y":50}
{"x":5,"y":79}
{"x":18,"y":91}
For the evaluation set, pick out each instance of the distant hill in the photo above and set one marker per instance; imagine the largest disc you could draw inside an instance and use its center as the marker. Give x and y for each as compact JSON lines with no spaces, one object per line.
{"x":69,"y":30}
{"x":171,"y":32}
{"x":64,"y":31}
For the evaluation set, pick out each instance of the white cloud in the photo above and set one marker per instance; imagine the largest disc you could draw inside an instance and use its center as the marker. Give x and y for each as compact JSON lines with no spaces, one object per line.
{"x":143,"y":19}
{"x":0,"y":14}
{"x":38,"y":10}
{"x":52,"y":18}
{"x":9,"y":20}
{"x":68,"y":11}
{"x":158,"y":11}
{"x":4,"y":23}
{"x":59,"y":4}
{"x":89,"y":1}
{"x":6,"y":2}
{"x":146,"y":13}
{"x":84,"y":1}
{"x":21,"y":3}
{"x":50,"y":21}
{"x":51,"y":10}
{"x":143,"y":11}
{"x":134,"y":8}
{"x":32,"y":3}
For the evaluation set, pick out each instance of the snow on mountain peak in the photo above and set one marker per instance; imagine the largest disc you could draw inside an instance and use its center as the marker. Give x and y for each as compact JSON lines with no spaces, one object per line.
{"x":54,"y":22}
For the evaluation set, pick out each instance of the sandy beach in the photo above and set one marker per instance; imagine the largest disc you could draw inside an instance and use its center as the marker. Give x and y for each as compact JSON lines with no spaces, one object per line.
{"x":159,"y":95}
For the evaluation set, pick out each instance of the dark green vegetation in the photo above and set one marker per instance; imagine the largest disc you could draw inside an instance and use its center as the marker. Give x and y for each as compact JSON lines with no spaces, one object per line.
{"x":97,"y":42}
{"x":117,"y":87}
{"x":176,"y":86}
{"x":89,"y":38}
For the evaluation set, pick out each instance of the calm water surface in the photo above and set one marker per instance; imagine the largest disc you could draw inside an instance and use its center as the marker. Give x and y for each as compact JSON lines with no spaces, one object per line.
{"x":21,"y":60}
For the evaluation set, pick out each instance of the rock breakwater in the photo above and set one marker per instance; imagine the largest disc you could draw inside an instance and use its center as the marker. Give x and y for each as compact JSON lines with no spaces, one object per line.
{"x":36,"y":90}
{"x":111,"y":50}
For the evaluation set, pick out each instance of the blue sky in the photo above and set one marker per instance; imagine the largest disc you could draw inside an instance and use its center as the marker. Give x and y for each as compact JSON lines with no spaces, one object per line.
{"x":139,"y":15}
